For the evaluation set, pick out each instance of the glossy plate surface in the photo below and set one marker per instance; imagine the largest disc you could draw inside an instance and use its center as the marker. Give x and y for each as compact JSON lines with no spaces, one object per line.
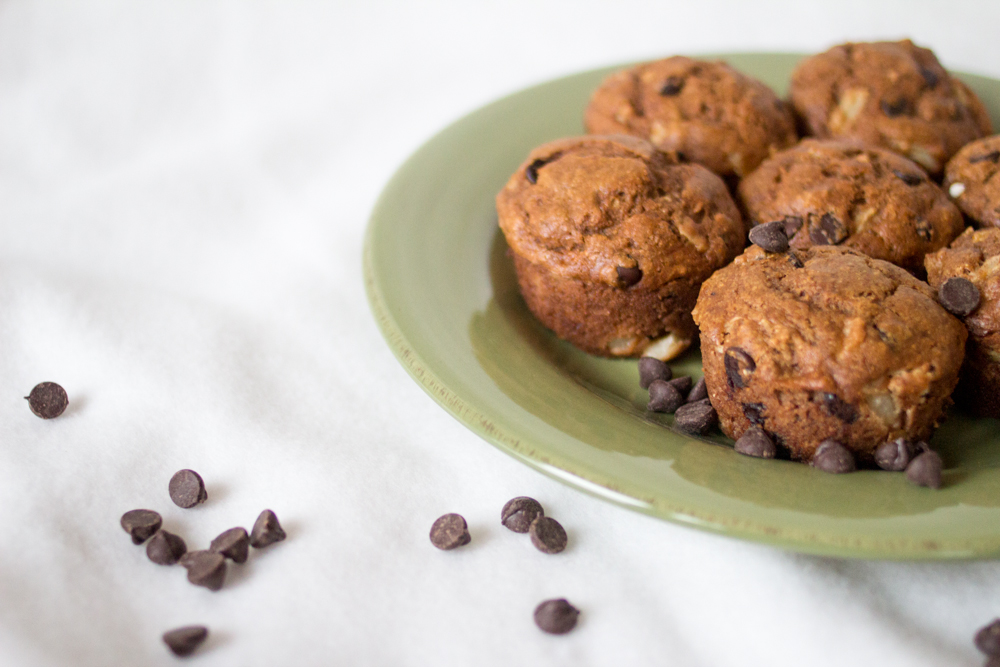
{"x":444,"y":295}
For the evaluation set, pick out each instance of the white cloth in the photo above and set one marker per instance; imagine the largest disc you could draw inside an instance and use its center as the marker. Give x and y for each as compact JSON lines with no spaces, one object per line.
{"x":184,"y":189}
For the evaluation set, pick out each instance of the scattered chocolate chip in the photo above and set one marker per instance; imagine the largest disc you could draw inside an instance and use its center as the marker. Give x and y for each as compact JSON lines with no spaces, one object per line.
{"x":663,"y":397}
{"x":908,"y":178}
{"x":930,"y":76}
{"x":556,"y":617}
{"x":770,"y":236}
{"x":205,"y":568}
{"x":629,"y":275}
{"x":959,"y":296}
{"x":183,"y":641}
{"x":992,"y":156}
{"x":165,"y":548}
{"x":755,"y":442}
{"x":699,"y":393}
{"x":141,"y":524}
{"x":833,"y":457}
{"x":924,"y":230}
{"x":672,"y":86}
{"x":837,"y":407}
{"x":233,"y":544}
{"x":988,"y":638}
{"x":187,"y":489}
{"x":829,"y":230}
{"x":531,"y":173}
{"x":47,"y":400}
{"x":547,"y":535}
{"x":895,"y":107}
{"x":652,"y":369}
{"x":450,"y":531}
{"x":739,"y":367}
{"x":518,"y":513}
{"x":697,"y":418}
{"x":754,"y":412}
{"x":794,"y":260}
{"x":793,"y":223}
{"x":895,"y":455}
{"x":682,"y":384}
{"x":925,"y":470}
{"x":266,"y":530}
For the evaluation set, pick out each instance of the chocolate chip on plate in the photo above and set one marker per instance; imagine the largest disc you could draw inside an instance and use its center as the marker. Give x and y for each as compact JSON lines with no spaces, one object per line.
{"x":518,"y":513}
{"x":664,"y":397}
{"x":651,"y":369}
{"x":682,"y":384}
{"x":988,"y":638}
{"x":187,"y":489}
{"x":828,"y":231}
{"x":547,"y":535}
{"x":266,"y":530}
{"x":770,"y":236}
{"x":628,"y":275}
{"x":205,"y":568}
{"x":755,"y":442}
{"x":184,"y":641}
{"x":699,"y":393}
{"x":672,"y":86}
{"x":556,"y":617}
{"x":959,"y":296}
{"x":165,"y":548}
{"x":833,"y":457}
{"x":141,"y":524}
{"x":740,"y":367}
{"x":233,"y":544}
{"x":925,"y":470}
{"x":696,"y":418}
{"x":450,"y":531}
{"x":47,"y":400}
{"x":895,"y":455}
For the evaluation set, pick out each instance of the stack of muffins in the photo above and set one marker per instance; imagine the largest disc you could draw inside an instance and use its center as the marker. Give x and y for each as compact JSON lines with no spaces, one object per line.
{"x":839,"y":335}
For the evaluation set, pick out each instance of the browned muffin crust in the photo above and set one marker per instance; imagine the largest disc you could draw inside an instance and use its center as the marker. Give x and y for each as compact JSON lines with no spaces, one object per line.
{"x":826,"y":343}
{"x":707,"y":111}
{"x":975,"y":256}
{"x":841,"y":192}
{"x":611,"y":241}
{"x":972,"y":179}
{"x":890,"y":94}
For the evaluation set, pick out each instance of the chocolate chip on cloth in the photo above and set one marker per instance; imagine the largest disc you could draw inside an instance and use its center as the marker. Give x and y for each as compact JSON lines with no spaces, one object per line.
{"x":971,"y":179}
{"x":266,"y":530}
{"x":233,"y":544}
{"x":187,"y":489}
{"x":988,"y":638}
{"x":205,"y":568}
{"x":547,"y":535}
{"x":845,"y":348}
{"x":183,"y":641}
{"x":141,"y":524}
{"x":556,"y":617}
{"x":652,"y":369}
{"x":518,"y":513}
{"x":165,"y":548}
{"x":664,"y":397}
{"x":47,"y":400}
{"x":708,"y":111}
{"x":450,"y":531}
{"x":612,"y":240}
{"x":837,"y":192}
{"x":890,"y":94}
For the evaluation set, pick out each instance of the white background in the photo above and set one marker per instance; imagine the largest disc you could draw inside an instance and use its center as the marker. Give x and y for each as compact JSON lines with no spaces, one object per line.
{"x":184,"y":189}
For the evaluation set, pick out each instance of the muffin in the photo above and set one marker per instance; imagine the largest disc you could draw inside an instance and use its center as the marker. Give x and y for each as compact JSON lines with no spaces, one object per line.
{"x":971,"y":179}
{"x":611,"y":240}
{"x":706,"y":112}
{"x":840,"y":192}
{"x":890,"y":94}
{"x":823,"y":344}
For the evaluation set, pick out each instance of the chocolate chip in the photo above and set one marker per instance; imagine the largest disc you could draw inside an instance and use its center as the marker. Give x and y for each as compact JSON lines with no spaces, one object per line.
{"x":739,"y":367}
{"x":682,"y":384}
{"x":266,"y":530}
{"x":233,"y":543}
{"x":205,"y":568}
{"x":837,"y":407}
{"x":652,"y":369}
{"x":450,"y":531}
{"x":183,"y":641}
{"x":47,"y":400}
{"x":629,"y":275}
{"x":141,"y":524}
{"x":895,"y":107}
{"x":794,"y":260}
{"x":531,"y":173}
{"x":930,"y":76}
{"x":755,"y":442}
{"x":663,"y":397}
{"x":770,"y":236}
{"x":988,"y":638}
{"x":696,"y":418}
{"x":828,"y":231}
{"x":672,"y":86}
{"x":518,"y":513}
{"x":556,"y":617}
{"x":992,"y":156}
{"x":165,"y":548}
{"x":924,"y":230}
{"x":895,"y":455}
{"x":959,"y":296}
{"x":793,"y":223}
{"x":547,"y":535}
{"x":699,"y":393}
{"x":833,"y":457}
{"x":754,"y":412}
{"x":187,"y":489}
{"x":908,"y":178}
{"x":925,"y":470}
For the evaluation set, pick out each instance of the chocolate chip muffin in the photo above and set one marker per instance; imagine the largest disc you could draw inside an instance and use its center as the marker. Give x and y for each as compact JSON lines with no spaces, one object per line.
{"x":840,"y":192}
{"x":974,"y":257}
{"x":890,"y":94}
{"x":611,"y":241}
{"x":826,"y":344}
{"x":707,"y":112}
{"x":972,"y":178}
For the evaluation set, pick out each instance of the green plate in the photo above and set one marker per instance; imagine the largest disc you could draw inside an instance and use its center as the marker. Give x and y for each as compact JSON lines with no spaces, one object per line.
{"x":444,"y":295}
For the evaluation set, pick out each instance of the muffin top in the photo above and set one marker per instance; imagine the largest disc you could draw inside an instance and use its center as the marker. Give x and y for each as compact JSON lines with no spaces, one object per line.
{"x":708,"y":112}
{"x":975,"y":256}
{"x":972,"y":178}
{"x":891,"y":94}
